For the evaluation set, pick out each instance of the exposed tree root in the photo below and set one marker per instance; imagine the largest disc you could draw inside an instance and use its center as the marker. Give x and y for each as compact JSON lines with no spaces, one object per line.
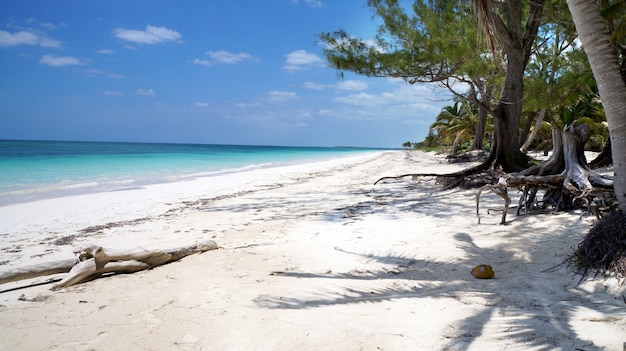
{"x":567,"y":180}
{"x":501,"y":190}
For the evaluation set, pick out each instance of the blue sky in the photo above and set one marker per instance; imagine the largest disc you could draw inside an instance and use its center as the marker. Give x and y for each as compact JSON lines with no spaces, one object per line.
{"x":214,"y":72}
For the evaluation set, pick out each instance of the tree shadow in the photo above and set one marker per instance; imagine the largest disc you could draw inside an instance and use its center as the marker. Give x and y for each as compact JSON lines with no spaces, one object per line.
{"x":527,"y":311}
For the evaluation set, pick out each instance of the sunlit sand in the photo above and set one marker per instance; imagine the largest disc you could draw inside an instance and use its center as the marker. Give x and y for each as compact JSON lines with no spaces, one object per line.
{"x":311,"y":257}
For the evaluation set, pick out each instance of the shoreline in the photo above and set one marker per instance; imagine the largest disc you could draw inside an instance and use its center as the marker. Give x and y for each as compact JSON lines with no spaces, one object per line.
{"x":66,"y":216}
{"x":100,"y":181}
{"x":311,"y":257}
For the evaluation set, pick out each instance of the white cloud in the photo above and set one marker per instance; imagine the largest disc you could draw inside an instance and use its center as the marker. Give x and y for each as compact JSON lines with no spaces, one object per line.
{"x":362,"y":99}
{"x":227,"y":57}
{"x":144,"y":92}
{"x":310,"y":3}
{"x":416,"y":103}
{"x":27,"y":38}
{"x":48,"y":25}
{"x":152,"y":35}
{"x":203,"y":62}
{"x":97,"y":72}
{"x":201,"y":104}
{"x":112,"y":93}
{"x":92,"y":72}
{"x":281,"y":96}
{"x":314,"y":86}
{"x":355,"y":85}
{"x":352,"y":85}
{"x":301,"y":60}
{"x":59,"y":61}
{"x":405,"y":94}
{"x":105,"y":51}
{"x":223,"y":56}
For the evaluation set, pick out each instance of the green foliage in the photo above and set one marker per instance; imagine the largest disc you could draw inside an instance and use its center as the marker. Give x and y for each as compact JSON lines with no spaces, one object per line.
{"x":455,"y":126}
{"x":437,"y":43}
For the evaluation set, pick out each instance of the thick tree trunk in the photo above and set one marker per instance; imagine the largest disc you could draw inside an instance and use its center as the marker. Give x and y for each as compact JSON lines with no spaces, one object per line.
{"x":509,"y":110}
{"x":606,"y":70}
{"x":507,"y":152}
{"x":576,"y":171}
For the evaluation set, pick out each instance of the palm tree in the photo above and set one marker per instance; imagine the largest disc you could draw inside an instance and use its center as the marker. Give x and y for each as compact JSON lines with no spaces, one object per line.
{"x":456,"y":124}
{"x":596,"y":42}
{"x":588,"y":110}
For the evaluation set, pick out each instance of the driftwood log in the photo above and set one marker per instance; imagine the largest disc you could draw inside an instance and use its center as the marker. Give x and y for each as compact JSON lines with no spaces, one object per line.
{"x":94,"y":261}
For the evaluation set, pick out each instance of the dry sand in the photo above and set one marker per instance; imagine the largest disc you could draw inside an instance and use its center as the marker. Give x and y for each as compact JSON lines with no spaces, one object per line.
{"x":312,"y":257}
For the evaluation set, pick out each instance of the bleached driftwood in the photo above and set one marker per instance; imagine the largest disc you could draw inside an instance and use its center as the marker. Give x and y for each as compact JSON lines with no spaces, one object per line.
{"x":39,"y":270}
{"x":93,"y":261}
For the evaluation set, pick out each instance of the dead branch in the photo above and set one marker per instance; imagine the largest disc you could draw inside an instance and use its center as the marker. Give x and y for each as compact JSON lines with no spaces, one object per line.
{"x":414,"y":175}
{"x":499,"y":189}
{"x":34,"y":271}
{"x":94,"y":261}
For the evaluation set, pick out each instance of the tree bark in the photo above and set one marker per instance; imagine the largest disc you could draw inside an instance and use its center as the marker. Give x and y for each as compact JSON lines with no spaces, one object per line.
{"x":533,"y":133}
{"x":606,"y":70}
{"x":483,"y":112}
{"x":477,"y":144}
{"x":517,"y":44}
{"x":604,"y":158}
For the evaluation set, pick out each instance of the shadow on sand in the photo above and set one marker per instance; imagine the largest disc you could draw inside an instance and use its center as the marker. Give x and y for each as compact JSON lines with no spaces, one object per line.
{"x":528,"y":311}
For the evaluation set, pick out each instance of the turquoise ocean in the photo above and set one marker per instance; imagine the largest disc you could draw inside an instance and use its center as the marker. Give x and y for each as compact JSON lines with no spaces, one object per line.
{"x":34,"y":170}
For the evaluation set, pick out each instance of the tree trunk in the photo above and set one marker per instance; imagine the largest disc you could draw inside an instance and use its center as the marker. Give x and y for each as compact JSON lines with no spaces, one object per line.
{"x":483,"y":113}
{"x":518,"y":41}
{"x":604,"y":158}
{"x":535,"y":130}
{"x":506,"y":138}
{"x":606,"y":70}
{"x":526,"y":130}
{"x":477,"y":144}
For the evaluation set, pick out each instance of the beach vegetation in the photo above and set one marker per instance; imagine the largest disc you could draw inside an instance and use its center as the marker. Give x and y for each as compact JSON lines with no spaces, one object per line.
{"x":523,"y":64}
{"x":457,"y":125}
{"x":437,"y":44}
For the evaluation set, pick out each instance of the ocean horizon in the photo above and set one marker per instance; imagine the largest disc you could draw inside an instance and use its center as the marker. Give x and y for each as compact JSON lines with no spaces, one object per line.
{"x":32,"y":170}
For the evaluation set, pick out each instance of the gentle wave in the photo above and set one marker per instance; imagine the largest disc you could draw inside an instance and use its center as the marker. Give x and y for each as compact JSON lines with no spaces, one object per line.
{"x":80,"y":185}
{"x":32,"y":170}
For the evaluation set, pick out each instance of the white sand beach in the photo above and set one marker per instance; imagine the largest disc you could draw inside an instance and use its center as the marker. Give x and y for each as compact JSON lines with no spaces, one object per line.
{"x":311,"y":257}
